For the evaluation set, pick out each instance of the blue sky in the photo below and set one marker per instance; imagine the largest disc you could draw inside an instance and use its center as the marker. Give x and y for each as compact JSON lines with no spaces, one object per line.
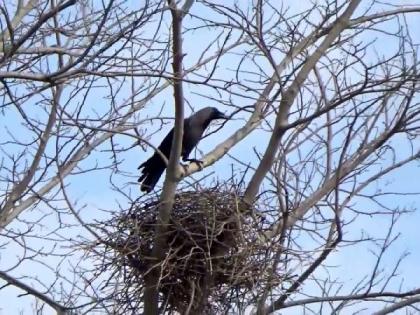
{"x":93,"y":189}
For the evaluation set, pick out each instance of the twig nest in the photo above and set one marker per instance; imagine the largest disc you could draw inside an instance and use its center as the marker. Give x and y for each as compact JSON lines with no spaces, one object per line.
{"x":211,"y":251}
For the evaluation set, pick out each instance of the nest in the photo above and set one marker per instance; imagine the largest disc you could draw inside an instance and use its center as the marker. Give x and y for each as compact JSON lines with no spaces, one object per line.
{"x":211,"y":255}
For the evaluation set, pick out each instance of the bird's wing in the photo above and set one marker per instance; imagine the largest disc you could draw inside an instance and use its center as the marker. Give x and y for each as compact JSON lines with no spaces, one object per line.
{"x":193,"y":133}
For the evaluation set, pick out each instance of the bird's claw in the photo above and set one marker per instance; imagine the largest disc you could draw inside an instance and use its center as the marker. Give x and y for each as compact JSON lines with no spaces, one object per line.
{"x":184,"y":166}
{"x":199,"y":163}
{"x":194,"y":161}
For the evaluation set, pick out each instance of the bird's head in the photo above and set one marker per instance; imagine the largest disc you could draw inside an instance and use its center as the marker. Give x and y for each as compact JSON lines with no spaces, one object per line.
{"x":204,"y":116}
{"x":216,"y":114}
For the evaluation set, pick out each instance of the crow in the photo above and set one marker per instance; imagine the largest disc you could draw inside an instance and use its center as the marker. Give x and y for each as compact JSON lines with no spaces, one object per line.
{"x":194,"y":127}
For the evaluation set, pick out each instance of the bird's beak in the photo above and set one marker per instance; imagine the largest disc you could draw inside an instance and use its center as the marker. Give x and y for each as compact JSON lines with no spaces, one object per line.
{"x":220,"y":115}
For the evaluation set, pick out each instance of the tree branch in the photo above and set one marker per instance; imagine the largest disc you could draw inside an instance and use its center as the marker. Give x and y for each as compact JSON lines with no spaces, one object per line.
{"x":60,"y":309}
{"x":287,"y":101}
{"x":151,"y":294}
{"x":399,"y":305}
{"x":351,"y":297}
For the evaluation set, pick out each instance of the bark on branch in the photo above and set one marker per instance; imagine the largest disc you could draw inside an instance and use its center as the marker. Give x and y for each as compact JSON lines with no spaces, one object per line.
{"x":60,"y":309}
{"x":288,"y":98}
{"x":151,"y":295}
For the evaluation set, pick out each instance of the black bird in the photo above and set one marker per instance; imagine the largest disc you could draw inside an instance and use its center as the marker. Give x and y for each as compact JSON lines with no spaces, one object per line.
{"x":194,"y":127}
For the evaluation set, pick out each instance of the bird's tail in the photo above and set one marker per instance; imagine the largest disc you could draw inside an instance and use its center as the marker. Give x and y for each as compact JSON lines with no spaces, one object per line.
{"x":152,"y":171}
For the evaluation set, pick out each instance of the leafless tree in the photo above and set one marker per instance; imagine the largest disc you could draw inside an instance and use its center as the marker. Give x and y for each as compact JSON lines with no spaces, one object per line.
{"x":324,"y":121}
